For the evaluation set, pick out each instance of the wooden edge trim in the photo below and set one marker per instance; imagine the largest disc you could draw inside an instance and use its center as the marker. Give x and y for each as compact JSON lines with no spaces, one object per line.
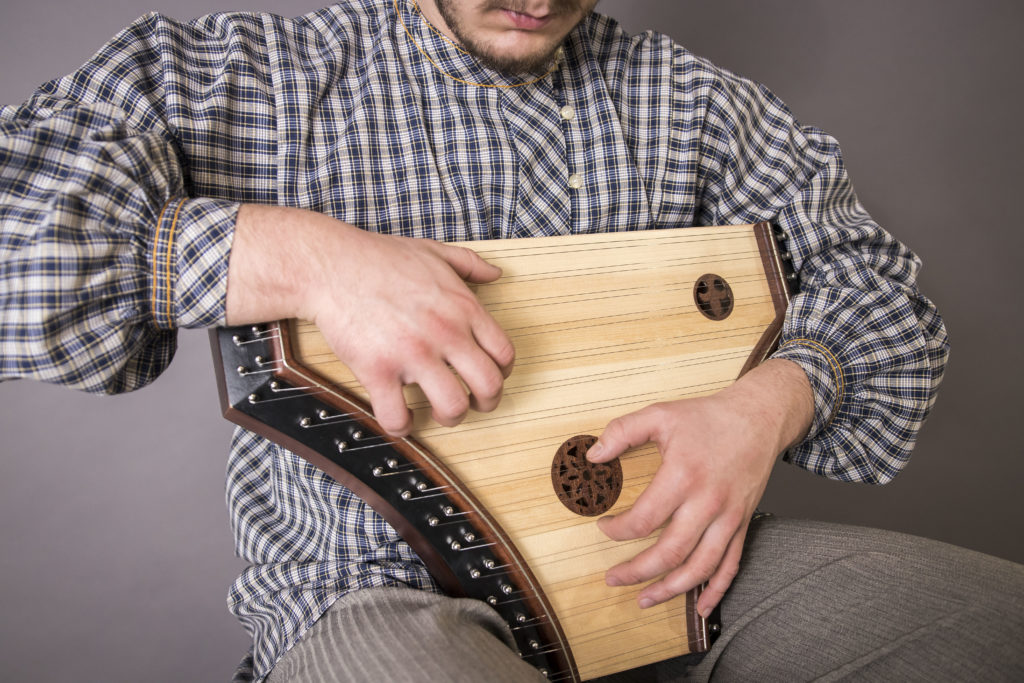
{"x":439,"y":569}
{"x":430,"y":468}
{"x":775,"y":271}
{"x":695,"y":628}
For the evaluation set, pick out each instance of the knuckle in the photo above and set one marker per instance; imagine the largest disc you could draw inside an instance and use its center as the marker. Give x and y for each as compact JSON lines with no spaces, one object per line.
{"x":674,"y":555}
{"x":659,"y":412}
{"x":436,"y":329}
{"x":506,"y":354}
{"x":641,"y":524}
{"x":451,"y":409}
{"x":615,"y":430}
{"x":489,"y":386}
{"x":725,"y":574}
{"x":703,"y":570}
{"x":715,"y":501}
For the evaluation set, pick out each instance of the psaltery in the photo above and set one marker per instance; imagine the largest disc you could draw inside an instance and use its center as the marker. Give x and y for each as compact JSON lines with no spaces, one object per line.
{"x":502,"y":507}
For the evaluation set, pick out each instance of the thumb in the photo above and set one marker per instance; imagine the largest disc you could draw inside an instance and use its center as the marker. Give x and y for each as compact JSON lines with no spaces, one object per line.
{"x":624,"y":433}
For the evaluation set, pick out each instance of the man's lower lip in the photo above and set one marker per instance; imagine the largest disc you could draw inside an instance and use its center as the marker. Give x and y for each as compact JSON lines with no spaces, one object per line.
{"x":525,"y":21}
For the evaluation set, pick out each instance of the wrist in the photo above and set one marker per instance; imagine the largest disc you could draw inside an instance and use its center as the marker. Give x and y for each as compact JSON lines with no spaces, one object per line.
{"x":778,"y":394}
{"x":274,"y":256}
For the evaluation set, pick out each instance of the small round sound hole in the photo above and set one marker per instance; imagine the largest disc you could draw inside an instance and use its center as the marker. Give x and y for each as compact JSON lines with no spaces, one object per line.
{"x":584,"y":487}
{"x":713,"y":296}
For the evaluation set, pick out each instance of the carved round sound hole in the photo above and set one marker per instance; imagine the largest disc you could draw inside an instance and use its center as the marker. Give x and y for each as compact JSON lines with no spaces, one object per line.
{"x":713,"y":296}
{"x":584,"y":487}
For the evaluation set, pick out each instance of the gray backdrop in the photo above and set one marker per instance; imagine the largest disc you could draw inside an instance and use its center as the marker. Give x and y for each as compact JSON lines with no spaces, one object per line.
{"x":116,"y":553}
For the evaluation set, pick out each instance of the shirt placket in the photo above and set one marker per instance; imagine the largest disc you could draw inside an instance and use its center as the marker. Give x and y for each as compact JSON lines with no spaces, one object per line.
{"x":544,"y":165}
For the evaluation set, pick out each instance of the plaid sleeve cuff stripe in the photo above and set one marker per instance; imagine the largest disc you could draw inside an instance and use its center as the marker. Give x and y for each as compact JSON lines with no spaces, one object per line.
{"x":189,"y":264}
{"x":825,"y":373}
{"x":162,"y":299}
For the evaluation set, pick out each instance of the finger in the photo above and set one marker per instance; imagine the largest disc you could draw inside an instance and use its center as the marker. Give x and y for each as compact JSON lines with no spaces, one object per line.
{"x":492,"y":339}
{"x":702,"y":563}
{"x":674,"y":545}
{"x":469,"y":265}
{"x":624,"y":433}
{"x":448,"y":399}
{"x":658,"y":501}
{"x":723,"y":577}
{"x":388,"y":405}
{"x":483,"y":378}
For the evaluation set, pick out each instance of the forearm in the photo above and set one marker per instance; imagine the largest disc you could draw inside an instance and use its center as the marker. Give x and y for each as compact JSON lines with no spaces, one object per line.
{"x":275,"y":252}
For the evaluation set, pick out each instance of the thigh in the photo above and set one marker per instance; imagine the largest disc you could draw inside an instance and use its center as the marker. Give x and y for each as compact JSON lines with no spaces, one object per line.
{"x":826,"y":601}
{"x":812,"y":601}
{"x":402,"y":634}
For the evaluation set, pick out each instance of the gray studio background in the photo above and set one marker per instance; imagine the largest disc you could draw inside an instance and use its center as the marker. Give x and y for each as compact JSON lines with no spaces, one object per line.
{"x":115,"y":552}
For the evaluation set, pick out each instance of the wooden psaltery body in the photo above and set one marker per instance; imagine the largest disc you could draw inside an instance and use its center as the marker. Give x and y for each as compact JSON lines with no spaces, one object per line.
{"x":602,"y":325}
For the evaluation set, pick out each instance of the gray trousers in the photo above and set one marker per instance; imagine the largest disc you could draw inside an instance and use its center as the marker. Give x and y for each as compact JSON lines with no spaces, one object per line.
{"x":812,"y":601}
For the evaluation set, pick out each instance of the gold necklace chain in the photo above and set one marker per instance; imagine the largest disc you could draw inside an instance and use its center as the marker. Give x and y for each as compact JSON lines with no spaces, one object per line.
{"x":437,"y":66}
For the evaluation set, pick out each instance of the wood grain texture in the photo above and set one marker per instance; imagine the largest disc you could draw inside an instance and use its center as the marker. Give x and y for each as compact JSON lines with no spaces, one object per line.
{"x":603,"y":325}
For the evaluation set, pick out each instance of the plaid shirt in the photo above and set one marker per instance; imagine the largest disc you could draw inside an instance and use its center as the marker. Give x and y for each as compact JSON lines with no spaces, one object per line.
{"x":120,"y":185}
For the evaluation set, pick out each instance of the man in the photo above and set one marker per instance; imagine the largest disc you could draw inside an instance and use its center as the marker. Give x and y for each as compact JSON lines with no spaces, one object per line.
{"x":168,"y":162}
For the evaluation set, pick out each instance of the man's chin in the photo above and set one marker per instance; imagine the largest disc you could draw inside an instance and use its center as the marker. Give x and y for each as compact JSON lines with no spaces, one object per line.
{"x":512,"y":66}
{"x":517,"y":58}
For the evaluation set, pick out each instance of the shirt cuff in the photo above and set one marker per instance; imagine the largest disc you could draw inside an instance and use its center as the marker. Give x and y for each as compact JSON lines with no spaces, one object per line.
{"x":189,"y":262}
{"x":825,"y":375}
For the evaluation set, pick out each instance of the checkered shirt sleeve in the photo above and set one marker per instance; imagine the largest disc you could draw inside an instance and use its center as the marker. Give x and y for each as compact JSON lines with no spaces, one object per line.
{"x":873,"y":347}
{"x":102,"y":256}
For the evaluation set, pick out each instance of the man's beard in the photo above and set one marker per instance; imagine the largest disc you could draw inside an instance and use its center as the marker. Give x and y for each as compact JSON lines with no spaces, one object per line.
{"x":484,"y":51}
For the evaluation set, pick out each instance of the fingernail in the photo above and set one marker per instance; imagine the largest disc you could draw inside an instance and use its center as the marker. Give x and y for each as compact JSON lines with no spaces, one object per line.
{"x":612,"y":581}
{"x":645,"y":603}
{"x":595,"y":451}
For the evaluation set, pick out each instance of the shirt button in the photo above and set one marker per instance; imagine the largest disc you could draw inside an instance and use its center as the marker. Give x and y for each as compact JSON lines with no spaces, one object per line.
{"x":567,"y":112}
{"x":575,"y":181}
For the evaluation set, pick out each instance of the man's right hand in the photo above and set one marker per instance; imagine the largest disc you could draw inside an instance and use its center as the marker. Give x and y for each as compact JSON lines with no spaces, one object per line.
{"x":395,"y":310}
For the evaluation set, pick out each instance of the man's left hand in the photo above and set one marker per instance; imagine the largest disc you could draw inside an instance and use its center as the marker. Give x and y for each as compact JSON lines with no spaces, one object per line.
{"x":717,"y":452}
